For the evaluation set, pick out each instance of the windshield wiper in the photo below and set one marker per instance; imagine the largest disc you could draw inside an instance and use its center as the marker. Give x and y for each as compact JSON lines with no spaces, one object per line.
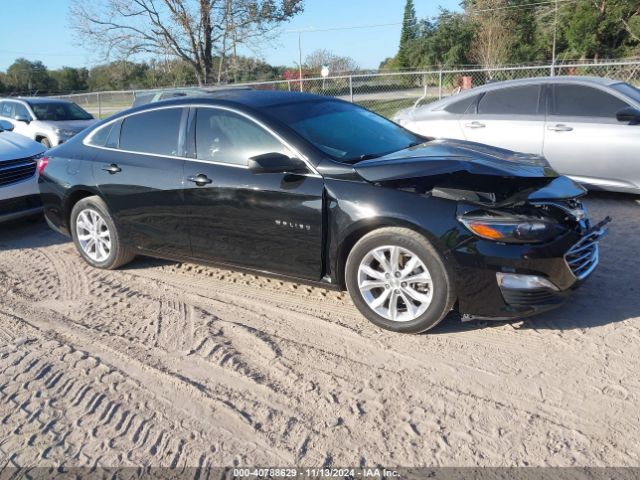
{"x":369,"y":156}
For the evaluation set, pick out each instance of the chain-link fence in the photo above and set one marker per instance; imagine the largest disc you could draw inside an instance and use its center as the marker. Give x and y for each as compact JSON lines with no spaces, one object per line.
{"x":386,"y":93}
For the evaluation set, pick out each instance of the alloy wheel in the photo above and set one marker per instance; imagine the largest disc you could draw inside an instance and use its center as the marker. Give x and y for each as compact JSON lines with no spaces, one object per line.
{"x":93,"y":235}
{"x":395,"y":283}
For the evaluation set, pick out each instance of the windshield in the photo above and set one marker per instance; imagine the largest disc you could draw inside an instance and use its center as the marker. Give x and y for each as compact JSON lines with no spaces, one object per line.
{"x":628,"y":90}
{"x":59,"y":111}
{"x":345,"y":132}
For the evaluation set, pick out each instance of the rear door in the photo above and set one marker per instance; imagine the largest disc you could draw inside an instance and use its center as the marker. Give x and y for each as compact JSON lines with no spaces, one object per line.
{"x":269,"y":221}
{"x":584,"y":139}
{"x":511,"y":118}
{"x":139,"y":172}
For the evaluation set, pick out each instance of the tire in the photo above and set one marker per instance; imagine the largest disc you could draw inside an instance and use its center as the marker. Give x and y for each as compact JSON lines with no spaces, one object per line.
{"x":87,"y":212}
{"x":422,"y":287}
{"x":45,"y":142}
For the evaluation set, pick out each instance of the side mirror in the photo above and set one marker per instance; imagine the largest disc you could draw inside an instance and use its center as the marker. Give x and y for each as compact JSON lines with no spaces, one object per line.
{"x":276,"y":163}
{"x":6,"y":126}
{"x":22,"y":118}
{"x":629,"y":115}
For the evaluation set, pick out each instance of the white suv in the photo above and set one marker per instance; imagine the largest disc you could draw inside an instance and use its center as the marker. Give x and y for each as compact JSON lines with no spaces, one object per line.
{"x":45,"y":120}
{"x":20,"y":160}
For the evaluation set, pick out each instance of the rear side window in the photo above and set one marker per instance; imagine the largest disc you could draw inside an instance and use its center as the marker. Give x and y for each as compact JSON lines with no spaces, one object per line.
{"x":460,"y":106}
{"x":99,"y":138}
{"x":106,"y":136}
{"x":581,"y":101}
{"x":152,"y":132}
{"x":510,"y":101}
{"x":227,"y":137}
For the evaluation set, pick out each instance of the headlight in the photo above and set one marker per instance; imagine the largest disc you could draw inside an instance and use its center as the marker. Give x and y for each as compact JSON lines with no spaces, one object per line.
{"x":64,"y":133}
{"x":516,"y":230}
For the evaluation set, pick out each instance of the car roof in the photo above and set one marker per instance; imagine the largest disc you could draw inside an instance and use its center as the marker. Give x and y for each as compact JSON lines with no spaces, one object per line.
{"x":584,"y":80}
{"x":36,"y":100}
{"x":555,"y":79}
{"x":253,"y":99}
{"x":574,"y":79}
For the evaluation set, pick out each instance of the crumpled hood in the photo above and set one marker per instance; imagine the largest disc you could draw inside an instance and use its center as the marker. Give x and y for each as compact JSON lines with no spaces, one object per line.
{"x":472,"y":166}
{"x":14,"y":146}
{"x":448,"y":156}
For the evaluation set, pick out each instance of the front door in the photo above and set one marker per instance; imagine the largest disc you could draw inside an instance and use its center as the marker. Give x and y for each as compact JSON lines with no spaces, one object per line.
{"x":269,"y":221}
{"x":140,"y":175}
{"x":511,"y":118}
{"x":584,"y":139}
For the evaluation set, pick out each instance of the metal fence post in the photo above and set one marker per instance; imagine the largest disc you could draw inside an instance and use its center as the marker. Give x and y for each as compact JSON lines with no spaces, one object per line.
{"x":440,"y":85}
{"x":351,"y":88}
{"x":99,"y":106}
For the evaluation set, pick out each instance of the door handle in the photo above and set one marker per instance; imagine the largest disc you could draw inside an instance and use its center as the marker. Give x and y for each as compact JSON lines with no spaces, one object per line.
{"x":200,"y":180}
{"x":475,"y":125}
{"x":559,"y":128}
{"x":112,"y":169}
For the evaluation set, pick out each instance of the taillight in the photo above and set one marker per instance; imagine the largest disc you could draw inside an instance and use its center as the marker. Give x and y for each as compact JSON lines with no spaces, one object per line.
{"x":42,"y":163}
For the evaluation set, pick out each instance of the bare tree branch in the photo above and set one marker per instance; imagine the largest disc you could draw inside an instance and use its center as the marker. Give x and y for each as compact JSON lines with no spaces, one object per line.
{"x":191,"y":30}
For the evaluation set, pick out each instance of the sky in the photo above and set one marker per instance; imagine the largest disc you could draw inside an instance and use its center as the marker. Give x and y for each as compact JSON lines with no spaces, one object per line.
{"x":40,"y":30}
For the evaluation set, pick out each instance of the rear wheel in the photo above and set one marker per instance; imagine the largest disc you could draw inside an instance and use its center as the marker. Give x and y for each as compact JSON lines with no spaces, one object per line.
{"x":96,"y":236}
{"x":399,"y":281}
{"x":45,"y":142}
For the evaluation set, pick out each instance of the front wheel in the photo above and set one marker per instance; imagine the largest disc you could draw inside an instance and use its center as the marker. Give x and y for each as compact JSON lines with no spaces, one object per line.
{"x":96,"y":236}
{"x":399,"y":281}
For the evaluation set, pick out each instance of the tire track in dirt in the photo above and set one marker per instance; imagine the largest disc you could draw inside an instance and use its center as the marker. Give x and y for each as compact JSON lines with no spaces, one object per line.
{"x":57,"y":392}
{"x":304,"y":375}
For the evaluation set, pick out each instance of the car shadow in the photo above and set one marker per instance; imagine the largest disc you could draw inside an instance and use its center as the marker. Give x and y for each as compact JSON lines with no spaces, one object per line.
{"x":142,"y":262}
{"x":610,"y":295}
{"x":28,"y":233}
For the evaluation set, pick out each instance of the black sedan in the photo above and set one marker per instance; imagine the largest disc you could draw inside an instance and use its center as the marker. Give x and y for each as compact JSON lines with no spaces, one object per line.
{"x":327,"y":192}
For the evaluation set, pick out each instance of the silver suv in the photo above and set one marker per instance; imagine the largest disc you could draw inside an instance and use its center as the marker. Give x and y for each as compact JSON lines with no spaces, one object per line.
{"x":45,"y":120}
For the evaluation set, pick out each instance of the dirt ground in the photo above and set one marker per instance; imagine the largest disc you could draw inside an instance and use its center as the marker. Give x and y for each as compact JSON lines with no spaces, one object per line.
{"x":170,"y":364}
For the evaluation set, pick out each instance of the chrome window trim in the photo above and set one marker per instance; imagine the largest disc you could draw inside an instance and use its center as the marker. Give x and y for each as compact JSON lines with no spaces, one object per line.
{"x":87,"y":139}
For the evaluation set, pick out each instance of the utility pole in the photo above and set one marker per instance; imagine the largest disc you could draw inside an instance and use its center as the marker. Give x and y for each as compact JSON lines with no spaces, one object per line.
{"x":555,"y":34}
{"x":300,"y":57}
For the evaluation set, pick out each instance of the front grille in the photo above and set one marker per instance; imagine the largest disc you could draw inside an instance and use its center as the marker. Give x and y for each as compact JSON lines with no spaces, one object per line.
{"x":536,"y":296}
{"x":582,"y":258}
{"x":15,"y":171}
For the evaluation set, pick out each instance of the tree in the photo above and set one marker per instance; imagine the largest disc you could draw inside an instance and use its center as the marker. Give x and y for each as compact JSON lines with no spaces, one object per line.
{"x":26,"y":76}
{"x":337,"y":64}
{"x":525,"y":21}
{"x":494,"y":35}
{"x":71,"y":79}
{"x":445,"y":43}
{"x":409,"y":33}
{"x":121,"y":75}
{"x":599,"y":28}
{"x":191,"y":30}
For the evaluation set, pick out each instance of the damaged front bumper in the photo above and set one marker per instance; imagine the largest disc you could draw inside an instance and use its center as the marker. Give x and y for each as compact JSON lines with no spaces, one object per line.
{"x":538,"y":281}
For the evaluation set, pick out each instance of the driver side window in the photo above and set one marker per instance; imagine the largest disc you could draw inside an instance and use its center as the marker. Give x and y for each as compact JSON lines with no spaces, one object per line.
{"x":22,"y":111}
{"x":227,"y":137}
